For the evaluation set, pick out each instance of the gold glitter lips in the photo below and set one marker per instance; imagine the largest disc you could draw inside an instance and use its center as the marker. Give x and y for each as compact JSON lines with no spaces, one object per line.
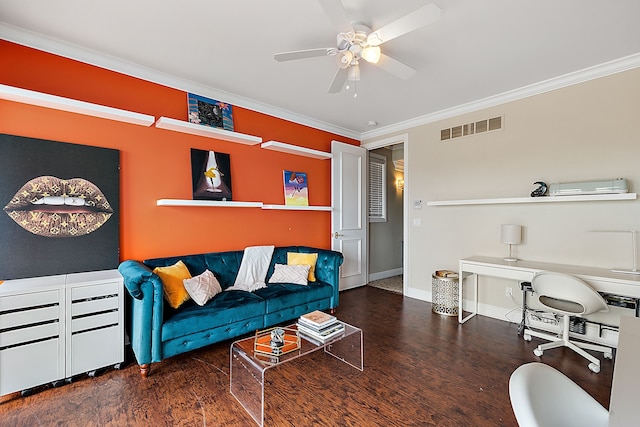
{"x":52,"y":207}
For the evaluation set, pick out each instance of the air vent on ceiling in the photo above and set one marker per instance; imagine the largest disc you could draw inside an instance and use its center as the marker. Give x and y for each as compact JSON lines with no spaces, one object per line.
{"x":469,"y":129}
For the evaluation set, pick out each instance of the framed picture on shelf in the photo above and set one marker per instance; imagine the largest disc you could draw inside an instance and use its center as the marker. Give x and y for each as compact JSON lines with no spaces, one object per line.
{"x":209,"y":112}
{"x":210,"y":175}
{"x":296,"y":190}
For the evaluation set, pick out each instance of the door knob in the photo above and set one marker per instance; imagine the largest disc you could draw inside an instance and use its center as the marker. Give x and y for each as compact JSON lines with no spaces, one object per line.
{"x":336,"y":235}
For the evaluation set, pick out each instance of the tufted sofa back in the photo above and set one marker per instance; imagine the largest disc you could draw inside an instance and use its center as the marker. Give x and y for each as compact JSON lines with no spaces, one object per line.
{"x":225,"y":265}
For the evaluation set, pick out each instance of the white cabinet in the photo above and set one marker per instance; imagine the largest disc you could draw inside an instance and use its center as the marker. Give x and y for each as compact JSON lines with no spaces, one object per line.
{"x":56,"y":327}
{"x":94,"y":321}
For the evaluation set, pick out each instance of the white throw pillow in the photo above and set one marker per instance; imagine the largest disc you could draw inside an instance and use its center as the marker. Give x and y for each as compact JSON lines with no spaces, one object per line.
{"x":203,"y":287}
{"x":296,"y":274}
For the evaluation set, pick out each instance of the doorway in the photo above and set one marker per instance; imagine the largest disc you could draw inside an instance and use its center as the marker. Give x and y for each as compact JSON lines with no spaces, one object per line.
{"x":386,"y":228}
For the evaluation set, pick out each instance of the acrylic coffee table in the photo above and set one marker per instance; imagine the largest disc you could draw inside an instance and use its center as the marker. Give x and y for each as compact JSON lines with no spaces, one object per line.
{"x":247,"y":368}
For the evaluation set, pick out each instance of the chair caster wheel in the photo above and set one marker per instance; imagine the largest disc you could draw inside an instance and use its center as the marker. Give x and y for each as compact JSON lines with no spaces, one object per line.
{"x":527,"y":337}
{"x":608,"y":355}
{"x":594,"y":368}
{"x":537,"y":352}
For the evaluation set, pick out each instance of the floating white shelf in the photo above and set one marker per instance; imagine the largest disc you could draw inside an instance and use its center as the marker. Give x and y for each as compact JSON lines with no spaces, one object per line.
{"x":210,"y":203}
{"x":297,"y":208}
{"x":207,"y":131}
{"x":546,"y":199}
{"x":25,"y":96}
{"x":294,"y":149}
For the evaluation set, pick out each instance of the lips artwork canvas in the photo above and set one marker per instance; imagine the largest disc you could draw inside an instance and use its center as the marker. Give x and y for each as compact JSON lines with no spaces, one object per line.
{"x":60,"y":204}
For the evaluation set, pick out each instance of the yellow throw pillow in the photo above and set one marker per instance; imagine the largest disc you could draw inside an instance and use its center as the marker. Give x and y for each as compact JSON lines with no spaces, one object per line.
{"x":172,"y":283}
{"x":295,"y":258}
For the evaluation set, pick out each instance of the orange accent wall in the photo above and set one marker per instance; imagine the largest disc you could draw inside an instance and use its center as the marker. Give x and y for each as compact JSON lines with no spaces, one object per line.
{"x":155,"y":163}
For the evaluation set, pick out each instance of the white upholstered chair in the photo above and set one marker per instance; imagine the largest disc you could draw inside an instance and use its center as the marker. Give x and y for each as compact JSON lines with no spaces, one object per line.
{"x":569,"y":296}
{"x":542,"y":396}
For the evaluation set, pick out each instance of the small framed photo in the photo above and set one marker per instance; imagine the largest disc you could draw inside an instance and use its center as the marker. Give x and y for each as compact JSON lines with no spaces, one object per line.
{"x":209,"y":112}
{"x":211,"y":175}
{"x":296,"y":189}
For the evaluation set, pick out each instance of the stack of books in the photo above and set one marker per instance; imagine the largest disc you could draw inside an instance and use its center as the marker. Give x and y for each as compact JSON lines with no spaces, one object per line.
{"x":319,"y":326}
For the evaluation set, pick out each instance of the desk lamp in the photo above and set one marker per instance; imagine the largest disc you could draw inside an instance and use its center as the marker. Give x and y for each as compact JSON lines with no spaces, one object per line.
{"x":511,"y":234}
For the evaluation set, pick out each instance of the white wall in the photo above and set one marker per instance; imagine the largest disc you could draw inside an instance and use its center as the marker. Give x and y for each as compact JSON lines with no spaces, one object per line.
{"x":587,"y":131}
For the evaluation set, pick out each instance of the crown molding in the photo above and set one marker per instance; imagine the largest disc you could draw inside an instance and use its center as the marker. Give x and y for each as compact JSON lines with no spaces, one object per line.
{"x":91,"y":57}
{"x":602,"y":70}
{"x":71,"y":51}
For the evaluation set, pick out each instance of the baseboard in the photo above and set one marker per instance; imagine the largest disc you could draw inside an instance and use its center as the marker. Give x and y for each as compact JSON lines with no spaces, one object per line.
{"x":418,"y":294}
{"x":385,"y":274}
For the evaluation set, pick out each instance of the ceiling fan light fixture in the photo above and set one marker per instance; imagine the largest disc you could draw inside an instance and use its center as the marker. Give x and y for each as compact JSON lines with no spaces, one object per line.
{"x":344,"y":59}
{"x":371,"y":54}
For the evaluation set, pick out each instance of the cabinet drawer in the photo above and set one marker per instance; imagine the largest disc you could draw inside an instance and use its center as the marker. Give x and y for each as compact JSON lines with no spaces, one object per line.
{"x":15,"y":302}
{"x":30,"y":365}
{"x":93,"y":291}
{"x":17,"y":337}
{"x":28,"y":317}
{"x":95,"y":321}
{"x":96,"y":349}
{"x":93,"y":306}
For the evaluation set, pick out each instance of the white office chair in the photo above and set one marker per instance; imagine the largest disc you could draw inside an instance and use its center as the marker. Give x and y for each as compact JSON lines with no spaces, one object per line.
{"x":567,"y":295}
{"x":542,"y":396}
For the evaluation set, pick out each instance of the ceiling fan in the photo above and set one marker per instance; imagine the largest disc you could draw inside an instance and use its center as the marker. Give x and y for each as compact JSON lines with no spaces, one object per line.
{"x":356,"y":41}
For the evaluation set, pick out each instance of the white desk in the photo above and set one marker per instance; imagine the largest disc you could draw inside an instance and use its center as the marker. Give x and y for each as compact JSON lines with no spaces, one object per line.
{"x":601,"y":279}
{"x":623,"y":405}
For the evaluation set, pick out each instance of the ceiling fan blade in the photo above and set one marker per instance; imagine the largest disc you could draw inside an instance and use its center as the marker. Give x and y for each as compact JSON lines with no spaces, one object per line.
{"x":301,"y":54}
{"x":338,"y":80}
{"x":414,"y":20}
{"x":336,"y":14}
{"x":394,"y":67}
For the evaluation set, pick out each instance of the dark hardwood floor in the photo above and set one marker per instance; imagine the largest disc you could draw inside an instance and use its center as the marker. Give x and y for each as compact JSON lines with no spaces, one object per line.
{"x":420,"y":369}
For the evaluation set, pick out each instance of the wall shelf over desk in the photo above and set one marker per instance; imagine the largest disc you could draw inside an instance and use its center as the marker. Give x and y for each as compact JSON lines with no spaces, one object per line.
{"x":30,"y":97}
{"x":206,"y":131}
{"x":546,"y":199}
{"x":297,"y":208}
{"x":208,"y":203}
{"x":294,"y":149}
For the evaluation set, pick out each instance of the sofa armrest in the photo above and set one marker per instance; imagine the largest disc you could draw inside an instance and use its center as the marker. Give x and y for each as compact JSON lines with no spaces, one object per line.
{"x":328,"y":270}
{"x":145,"y":312}
{"x":135,"y":274}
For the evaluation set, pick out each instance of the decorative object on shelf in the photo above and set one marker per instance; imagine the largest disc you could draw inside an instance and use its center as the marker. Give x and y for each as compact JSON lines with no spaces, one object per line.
{"x":541,"y":190}
{"x":286,"y":341}
{"x":296,"y":191}
{"x":209,"y":112}
{"x":210,"y":175}
{"x":511,"y":234}
{"x":66,"y":208}
{"x":611,"y":186}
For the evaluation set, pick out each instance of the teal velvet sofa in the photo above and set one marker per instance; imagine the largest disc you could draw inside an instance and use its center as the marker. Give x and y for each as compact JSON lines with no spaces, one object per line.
{"x":157,"y":331}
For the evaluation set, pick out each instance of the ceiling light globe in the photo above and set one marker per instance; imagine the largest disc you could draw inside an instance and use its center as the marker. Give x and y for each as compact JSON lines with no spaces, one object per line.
{"x":371,"y":54}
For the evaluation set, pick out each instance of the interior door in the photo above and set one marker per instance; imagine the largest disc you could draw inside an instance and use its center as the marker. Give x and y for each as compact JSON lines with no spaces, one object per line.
{"x":349,"y":215}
